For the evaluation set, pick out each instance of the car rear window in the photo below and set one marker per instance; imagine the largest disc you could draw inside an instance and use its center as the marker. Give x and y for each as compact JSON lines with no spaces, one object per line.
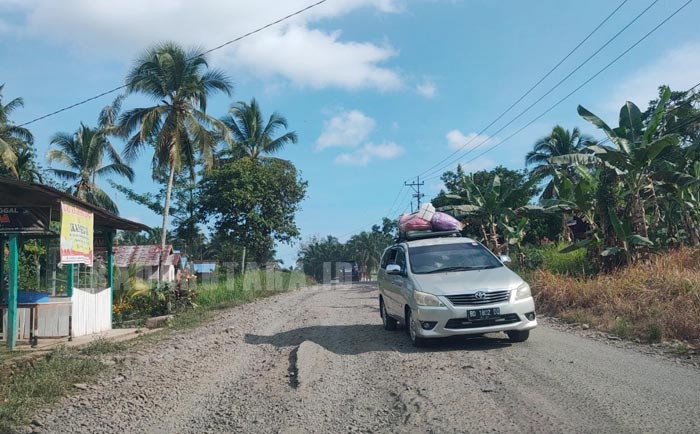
{"x":451,"y":257}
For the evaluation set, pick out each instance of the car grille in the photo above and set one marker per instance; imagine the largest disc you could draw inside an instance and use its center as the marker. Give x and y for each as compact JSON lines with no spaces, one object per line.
{"x":470,"y":299}
{"x":463,"y":323}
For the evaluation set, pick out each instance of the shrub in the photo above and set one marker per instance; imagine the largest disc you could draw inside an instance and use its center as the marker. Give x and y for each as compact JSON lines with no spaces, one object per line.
{"x":652,"y":300}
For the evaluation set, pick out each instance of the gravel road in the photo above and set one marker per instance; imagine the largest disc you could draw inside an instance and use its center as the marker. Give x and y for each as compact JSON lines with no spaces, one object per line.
{"x":317,"y":360}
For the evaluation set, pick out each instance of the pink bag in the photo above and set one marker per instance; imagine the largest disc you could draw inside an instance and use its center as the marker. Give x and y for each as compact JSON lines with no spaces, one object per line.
{"x":411,"y":222}
{"x":445,"y":222}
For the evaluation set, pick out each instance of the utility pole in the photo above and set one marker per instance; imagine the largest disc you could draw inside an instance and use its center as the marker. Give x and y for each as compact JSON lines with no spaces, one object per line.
{"x":416,"y":188}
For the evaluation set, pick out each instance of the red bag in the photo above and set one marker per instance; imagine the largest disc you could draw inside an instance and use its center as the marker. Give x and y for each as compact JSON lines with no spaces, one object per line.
{"x":411,"y":222}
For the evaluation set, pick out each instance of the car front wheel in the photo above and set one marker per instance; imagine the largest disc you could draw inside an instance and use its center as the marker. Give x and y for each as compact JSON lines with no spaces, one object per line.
{"x":388,"y":322}
{"x":518,"y":335}
{"x":412,"y":325}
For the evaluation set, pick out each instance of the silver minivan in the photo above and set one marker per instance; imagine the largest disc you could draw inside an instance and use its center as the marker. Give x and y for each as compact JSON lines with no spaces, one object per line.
{"x":441,"y":285}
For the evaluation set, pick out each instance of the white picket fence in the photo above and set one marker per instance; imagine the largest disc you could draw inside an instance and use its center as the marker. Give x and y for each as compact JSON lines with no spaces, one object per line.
{"x":92,"y":311}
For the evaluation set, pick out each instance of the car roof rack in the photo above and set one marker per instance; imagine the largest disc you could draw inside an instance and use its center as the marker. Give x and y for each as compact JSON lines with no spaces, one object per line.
{"x":422,"y":235}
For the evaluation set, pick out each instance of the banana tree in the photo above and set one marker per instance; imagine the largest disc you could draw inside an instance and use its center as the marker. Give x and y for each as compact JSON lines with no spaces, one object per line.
{"x":488,"y":209}
{"x":680,"y":199}
{"x":636,"y":148}
{"x":577,"y":194}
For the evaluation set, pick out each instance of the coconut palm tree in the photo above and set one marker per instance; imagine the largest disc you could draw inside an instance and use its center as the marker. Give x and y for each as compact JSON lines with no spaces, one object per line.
{"x":83,"y":155}
{"x":252,"y":135}
{"x":180,"y":82}
{"x":26,"y":168}
{"x":12,"y":138}
{"x":559,"y":143}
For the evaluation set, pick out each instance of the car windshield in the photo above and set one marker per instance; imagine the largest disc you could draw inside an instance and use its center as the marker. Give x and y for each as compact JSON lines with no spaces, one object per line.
{"x":451,"y":257}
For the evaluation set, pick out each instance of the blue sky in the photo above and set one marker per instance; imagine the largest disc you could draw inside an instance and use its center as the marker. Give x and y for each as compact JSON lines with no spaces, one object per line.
{"x":377,"y":90}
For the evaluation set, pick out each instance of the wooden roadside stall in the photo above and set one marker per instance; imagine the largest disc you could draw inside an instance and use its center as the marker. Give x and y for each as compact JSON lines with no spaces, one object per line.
{"x":33,"y":211}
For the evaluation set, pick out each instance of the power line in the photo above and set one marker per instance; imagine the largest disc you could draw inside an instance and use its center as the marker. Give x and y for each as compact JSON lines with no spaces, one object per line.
{"x":672,"y":109}
{"x":552,"y":89}
{"x":416,"y":185}
{"x":572,"y":51}
{"x":218,"y":47}
{"x":580,"y":86}
{"x":391,"y":208}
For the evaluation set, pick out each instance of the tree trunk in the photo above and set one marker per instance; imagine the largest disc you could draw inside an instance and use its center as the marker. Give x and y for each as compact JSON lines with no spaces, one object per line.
{"x":690,"y":229}
{"x":494,"y":239}
{"x":166,"y":208}
{"x":565,"y":231}
{"x":483,"y":234}
{"x":640,"y":216}
{"x":655,"y":203}
{"x":166,"y":212}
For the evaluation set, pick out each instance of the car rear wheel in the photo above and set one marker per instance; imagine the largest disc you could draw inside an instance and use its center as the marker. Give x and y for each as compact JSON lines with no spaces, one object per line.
{"x":412,"y":326}
{"x":388,"y":322}
{"x":518,"y":335}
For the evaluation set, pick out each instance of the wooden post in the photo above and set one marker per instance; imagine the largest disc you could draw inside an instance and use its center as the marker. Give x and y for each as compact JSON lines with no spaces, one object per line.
{"x":2,"y":264}
{"x":11,"y":332}
{"x":110,"y":270}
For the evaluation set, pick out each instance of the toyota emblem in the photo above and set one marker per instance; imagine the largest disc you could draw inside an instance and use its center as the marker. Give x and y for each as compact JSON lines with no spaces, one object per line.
{"x":479,"y":295}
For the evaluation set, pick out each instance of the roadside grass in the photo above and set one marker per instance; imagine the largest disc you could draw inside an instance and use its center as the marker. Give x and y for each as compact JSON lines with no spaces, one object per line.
{"x":217,"y":295}
{"x":103,"y":346}
{"x":49,"y":379}
{"x":650,"y":301}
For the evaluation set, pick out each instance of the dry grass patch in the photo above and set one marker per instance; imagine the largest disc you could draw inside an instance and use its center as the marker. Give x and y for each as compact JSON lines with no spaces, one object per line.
{"x":658,"y":299}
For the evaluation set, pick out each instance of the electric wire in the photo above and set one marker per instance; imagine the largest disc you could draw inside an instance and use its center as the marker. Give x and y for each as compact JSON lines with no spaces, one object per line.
{"x":516,"y":102}
{"x":608,"y":65}
{"x":672,"y":109}
{"x":218,"y":47}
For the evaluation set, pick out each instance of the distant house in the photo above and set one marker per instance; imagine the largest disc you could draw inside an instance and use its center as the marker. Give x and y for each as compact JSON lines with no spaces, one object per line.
{"x":149,"y":260}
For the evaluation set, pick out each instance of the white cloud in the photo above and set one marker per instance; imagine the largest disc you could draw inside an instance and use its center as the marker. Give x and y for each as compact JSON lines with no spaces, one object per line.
{"x":315,"y":59}
{"x":456,"y":140}
{"x":294,"y":50}
{"x":347,"y":129}
{"x":677,"y":68}
{"x":426,"y":89}
{"x":369,"y":152}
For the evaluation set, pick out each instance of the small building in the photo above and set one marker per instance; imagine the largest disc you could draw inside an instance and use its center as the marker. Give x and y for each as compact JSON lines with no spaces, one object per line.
{"x":84,"y":305}
{"x":151,"y":261}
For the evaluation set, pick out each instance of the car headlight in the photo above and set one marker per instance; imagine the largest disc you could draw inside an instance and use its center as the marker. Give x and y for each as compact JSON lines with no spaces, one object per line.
{"x":425,"y":299}
{"x":522,"y":292}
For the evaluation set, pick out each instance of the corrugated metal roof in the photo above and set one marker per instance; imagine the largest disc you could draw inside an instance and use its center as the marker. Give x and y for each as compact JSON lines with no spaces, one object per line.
{"x":19,"y":193}
{"x":147,"y":255}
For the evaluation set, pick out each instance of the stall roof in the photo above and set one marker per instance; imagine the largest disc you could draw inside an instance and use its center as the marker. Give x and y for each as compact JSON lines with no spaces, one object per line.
{"x":23,"y":194}
{"x":145,"y":255}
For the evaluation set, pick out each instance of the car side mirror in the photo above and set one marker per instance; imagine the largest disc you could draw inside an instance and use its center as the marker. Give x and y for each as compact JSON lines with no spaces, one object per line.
{"x":393,"y":269}
{"x":505,"y":259}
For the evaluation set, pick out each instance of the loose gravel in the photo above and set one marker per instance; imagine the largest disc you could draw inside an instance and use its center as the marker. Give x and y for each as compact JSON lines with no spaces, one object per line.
{"x":318,"y":361}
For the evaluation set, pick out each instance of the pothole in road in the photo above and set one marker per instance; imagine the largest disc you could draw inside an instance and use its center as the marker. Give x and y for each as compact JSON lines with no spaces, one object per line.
{"x":293,"y":369}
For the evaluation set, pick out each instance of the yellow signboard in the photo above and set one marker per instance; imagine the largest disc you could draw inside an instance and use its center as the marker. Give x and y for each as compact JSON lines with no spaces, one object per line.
{"x":76,"y":235}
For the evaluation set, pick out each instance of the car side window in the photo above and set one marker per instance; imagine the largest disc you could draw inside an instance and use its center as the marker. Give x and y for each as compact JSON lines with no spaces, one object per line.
{"x":400,"y":259}
{"x":389,"y":257}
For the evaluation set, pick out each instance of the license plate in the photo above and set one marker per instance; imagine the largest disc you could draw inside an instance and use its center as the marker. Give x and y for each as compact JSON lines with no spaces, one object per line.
{"x":481,"y":314}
